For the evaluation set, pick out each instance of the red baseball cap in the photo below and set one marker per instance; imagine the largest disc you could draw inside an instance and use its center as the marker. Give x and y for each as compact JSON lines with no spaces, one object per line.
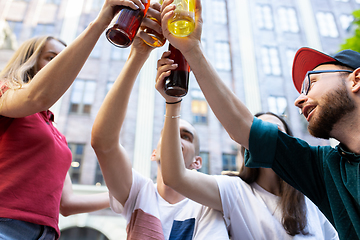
{"x":306,"y":59}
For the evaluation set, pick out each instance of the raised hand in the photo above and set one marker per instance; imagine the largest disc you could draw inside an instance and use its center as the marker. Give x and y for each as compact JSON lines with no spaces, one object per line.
{"x":164,"y":67}
{"x":184,"y":44}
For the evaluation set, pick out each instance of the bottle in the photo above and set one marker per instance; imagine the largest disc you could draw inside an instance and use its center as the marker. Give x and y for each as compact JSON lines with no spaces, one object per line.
{"x":159,"y":39}
{"x":176,"y":84}
{"x":125,"y":25}
{"x":183,"y":22}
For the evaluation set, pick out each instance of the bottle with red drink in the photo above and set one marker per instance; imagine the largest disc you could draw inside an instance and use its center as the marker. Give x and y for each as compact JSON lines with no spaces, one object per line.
{"x":176,"y":84}
{"x":125,"y":25}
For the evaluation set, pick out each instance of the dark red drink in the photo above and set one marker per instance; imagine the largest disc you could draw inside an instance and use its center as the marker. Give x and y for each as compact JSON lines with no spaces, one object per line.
{"x":176,"y":84}
{"x":123,"y":31}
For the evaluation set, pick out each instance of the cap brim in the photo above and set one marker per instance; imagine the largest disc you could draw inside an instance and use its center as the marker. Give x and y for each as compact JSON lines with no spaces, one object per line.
{"x":306,"y":59}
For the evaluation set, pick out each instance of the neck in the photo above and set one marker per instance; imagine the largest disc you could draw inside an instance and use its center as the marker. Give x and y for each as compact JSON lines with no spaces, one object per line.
{"x":347,"y":132}
{"x":167,"y":193}
{"x":269,"y":181}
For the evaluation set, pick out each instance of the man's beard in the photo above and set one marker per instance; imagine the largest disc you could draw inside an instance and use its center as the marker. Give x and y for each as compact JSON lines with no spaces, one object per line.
{"x":334,"y":106}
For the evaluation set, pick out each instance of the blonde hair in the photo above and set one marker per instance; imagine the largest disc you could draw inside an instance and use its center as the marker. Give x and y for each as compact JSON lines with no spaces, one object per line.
{"x":21,"y":68}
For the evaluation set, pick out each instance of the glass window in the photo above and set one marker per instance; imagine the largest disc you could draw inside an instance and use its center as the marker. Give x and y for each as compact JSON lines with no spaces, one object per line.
{"x":229,"y":162}
{"x":290,"y":54}
{"x":99,"y":178}
{"x":271,"y":61}
{"x":97,"y":4}
{"x":77,"y":151}
{"x":327,"y":24}
{"x":96,"y":52}
{"x":219,"y":11}
{"x":118,"y":54}
{"x":15,"y":27}
{"x":222,"y":56}
{"x":205,"y":162}
{"x":277,"y":105}
{"x":57,"y":2}
{"x":43,"y":29}
{"x":346,"y":21}
{"x":82,"y":96}
{"x":199,"y":108}
{"x":288,"y":20}
{"x":264,"y":17}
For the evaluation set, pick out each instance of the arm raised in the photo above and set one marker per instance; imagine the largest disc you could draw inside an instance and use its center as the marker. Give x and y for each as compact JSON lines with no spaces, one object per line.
{"x":114,"y":162}
{"x":176,"y":174}
{"x":231,"y":112}
{"x":51,"y":82}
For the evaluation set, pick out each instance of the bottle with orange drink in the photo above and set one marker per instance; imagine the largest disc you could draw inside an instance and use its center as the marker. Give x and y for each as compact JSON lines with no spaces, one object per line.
{"x":159,"y":39}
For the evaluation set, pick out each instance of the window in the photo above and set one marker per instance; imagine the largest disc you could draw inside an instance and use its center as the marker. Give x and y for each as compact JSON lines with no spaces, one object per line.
{"x":97,"y":4}
{"x":288,"y":20}
{"x":219,"y":11}
{"x":15,"y":27}
{"x":57,"y":2}
{"x":346,"y":21}
{"x":222,"y":56}
{"x":82,"y":97}
{"x":327,"y":24}
{"x":229,"y":162}
{"x":43,"y":29}
{"x":277,"y":105}
{"x":290,"y":54}
{"x":271,"y":61}
{"x":264,"y":17}
{"x":99,"y":178}
{"x":96,"y":52}
{"x":109,"y":85}
{"x":120,"y":53}
{"x":199,"y":107}
{"x":205,"y":162}
{"x":77,"y":151}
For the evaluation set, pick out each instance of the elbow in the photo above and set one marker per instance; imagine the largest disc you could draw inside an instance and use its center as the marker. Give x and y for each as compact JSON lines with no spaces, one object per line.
{"x":98,"y":144}
{"x":65,"y":210}
{"x":171,"y":180}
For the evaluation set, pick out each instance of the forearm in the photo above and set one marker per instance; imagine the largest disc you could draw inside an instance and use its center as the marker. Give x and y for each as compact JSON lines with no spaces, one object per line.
{"x":75,"y":204}
{"x":55,"y":78}
{"x":172,"y":162}
{"x":231,"y":112}
{"x":110,"y":118}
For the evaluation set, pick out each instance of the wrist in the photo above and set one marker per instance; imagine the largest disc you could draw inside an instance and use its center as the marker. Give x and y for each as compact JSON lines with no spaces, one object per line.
{"x":174,"y":102}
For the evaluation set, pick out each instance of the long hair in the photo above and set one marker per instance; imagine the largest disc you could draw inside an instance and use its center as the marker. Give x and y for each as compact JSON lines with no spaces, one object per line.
{"x":22,"y":66}
{"x":292,"y":202}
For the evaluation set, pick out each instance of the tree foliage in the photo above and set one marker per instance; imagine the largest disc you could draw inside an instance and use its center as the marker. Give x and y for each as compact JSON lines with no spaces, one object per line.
{"x":353,"y":42}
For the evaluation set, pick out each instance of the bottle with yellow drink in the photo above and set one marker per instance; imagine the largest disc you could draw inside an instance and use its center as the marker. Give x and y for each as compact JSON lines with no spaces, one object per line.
{"x":183,"y":22}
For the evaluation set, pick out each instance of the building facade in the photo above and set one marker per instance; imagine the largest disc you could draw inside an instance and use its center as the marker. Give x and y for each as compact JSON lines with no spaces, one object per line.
{"x":251,"y":43}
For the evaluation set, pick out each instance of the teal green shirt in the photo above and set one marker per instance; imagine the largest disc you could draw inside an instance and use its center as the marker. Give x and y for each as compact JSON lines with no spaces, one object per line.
{"x":328,"y":176}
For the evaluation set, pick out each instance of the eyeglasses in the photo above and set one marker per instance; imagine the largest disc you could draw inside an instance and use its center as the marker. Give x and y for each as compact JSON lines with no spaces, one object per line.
{"x":307,"y":81}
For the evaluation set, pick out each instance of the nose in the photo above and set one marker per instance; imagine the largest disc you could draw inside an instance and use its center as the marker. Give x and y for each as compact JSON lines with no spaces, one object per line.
{"x":299,"y":102}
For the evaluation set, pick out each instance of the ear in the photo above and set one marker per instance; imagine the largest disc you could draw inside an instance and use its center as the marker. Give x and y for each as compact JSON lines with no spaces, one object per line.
{"x":197,"y":164}
{"x":356,"y":81}
{"x":153,"y":155}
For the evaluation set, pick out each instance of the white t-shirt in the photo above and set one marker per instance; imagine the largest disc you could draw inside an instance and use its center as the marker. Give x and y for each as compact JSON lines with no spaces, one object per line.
{"x":149,"y":216}
{"x":251,"y":213}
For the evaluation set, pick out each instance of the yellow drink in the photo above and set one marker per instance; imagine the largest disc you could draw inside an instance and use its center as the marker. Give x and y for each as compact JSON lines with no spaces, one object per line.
{"x":183,"y":22}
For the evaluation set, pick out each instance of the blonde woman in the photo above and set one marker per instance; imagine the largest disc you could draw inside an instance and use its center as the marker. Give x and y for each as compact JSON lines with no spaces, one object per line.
{"x":34,"y":156}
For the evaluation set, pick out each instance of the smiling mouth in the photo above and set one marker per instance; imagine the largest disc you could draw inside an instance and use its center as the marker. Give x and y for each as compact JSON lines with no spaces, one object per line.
{"x":307,"y":111}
